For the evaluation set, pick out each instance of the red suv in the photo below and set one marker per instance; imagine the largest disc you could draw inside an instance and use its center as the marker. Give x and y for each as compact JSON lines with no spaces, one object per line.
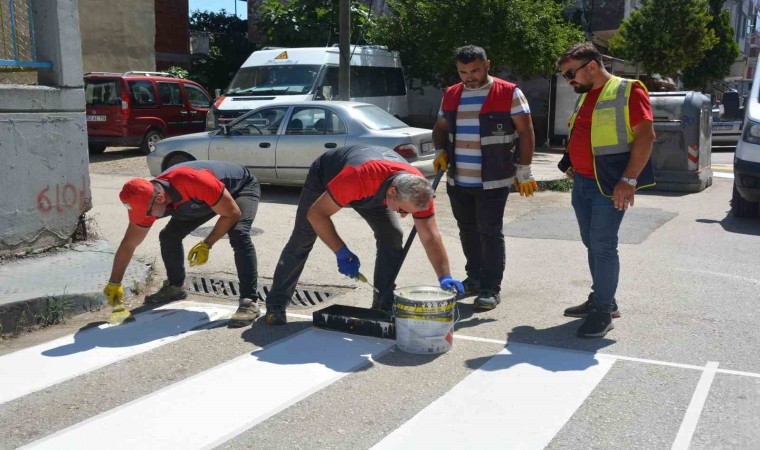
{"x":141,"y":108}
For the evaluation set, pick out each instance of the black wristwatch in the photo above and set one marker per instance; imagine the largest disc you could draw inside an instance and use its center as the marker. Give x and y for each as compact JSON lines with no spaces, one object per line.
{"x":629,"y":181}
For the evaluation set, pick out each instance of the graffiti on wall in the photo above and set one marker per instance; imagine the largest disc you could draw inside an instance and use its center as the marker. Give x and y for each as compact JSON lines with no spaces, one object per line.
{"x":62,"y":197}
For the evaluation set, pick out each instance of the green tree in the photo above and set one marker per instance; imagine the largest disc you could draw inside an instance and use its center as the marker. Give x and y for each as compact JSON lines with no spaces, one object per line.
{"x":228,"y":48}
{"x":665,"y":36}
{"x":524,"y":36}
{"x":717,"y":61}
{"x":309,"y":23}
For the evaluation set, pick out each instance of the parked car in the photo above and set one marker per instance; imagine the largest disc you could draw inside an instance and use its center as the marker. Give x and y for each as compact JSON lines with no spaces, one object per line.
{"x":725,"y":130}
{"x":141,"y":108}
{"x":279,"y":142}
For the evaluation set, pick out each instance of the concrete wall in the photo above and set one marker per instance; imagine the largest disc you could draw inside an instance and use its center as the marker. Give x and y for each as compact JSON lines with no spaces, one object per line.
{"x":44,"y":172}
{"x":118,"y":35}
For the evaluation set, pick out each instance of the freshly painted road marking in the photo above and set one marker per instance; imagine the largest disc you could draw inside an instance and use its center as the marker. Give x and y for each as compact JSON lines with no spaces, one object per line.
{"x":691,"y":418}
{"x":212,"y":407}
{"x":520,"y":398}
{"x":723,"y":175}
{"x":44,"y":365}
{"x":623,"y":358}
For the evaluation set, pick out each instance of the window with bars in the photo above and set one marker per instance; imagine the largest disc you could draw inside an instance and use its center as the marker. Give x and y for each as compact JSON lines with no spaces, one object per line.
{"x":17,"y":41}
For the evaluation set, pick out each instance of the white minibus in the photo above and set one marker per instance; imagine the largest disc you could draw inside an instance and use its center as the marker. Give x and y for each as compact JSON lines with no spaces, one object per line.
{"x":276,"y":75}
{"x":746,"y":194}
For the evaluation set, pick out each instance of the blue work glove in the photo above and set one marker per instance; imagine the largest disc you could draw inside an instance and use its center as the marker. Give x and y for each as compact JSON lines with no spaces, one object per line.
{"x":348,"y":263}
{"x":449,"y":284}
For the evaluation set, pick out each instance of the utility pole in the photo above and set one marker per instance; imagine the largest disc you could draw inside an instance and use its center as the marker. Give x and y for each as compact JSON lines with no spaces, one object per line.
{"x":344,"y":72}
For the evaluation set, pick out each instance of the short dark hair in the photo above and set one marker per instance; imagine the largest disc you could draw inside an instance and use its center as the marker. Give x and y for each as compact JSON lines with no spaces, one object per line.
{"x":581,"y":52}
{"x":470,"y":53}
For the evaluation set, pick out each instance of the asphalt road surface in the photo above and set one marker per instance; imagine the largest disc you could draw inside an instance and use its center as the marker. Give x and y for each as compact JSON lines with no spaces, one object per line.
{"x":680,"y":369}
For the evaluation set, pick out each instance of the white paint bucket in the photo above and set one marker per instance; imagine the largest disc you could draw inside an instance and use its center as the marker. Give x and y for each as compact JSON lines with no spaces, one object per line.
{"x":424,"y":317}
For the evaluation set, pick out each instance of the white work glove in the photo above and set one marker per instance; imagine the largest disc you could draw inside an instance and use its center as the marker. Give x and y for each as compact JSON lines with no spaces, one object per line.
{"x":526,"y":184}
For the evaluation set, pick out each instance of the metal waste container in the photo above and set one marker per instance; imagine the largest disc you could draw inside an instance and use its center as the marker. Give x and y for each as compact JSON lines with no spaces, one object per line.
{"x":682,"y":150}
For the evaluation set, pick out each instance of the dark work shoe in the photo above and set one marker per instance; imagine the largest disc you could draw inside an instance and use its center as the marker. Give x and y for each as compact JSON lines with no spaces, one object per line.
{"x":167,"y":293}
{"x":471,"y":287}
{"x":596,"y":325}
{"x":582,"y":310}
{"x":486,"y":300}
{"x":246,"y":313}
{"x":275,"y":316}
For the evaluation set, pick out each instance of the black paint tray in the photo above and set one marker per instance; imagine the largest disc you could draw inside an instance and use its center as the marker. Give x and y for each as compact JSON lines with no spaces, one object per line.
{"x":355,"y":320}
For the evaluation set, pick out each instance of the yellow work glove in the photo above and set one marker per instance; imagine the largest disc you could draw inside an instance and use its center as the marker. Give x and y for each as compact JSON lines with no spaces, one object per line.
{"x":441,"y":162}
{"x":198,"y":255}
{"x":114,"y":294}
{"x":526,"y":184}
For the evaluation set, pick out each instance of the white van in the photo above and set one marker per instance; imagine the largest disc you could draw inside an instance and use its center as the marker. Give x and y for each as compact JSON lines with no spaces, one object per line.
{"x":302,"y":74}
{"x":746,"y":195}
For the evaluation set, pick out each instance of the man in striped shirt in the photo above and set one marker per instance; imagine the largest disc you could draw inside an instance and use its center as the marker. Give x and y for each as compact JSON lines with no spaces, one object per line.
{"x":478,"y":127}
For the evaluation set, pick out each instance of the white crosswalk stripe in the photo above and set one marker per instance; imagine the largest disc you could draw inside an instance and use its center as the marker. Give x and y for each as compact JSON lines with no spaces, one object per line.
{"x":44,"y":365}
{"x":210,"y":408}
{"x":531,"y":392}
{"x":521,"y":397}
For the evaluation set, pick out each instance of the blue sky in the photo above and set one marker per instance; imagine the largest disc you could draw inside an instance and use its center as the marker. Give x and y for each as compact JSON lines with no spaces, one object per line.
{"x":217,"y":5}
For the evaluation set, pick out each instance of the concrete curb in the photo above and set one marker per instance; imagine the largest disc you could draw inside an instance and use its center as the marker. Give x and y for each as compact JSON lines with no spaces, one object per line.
{"x":51,"y":287}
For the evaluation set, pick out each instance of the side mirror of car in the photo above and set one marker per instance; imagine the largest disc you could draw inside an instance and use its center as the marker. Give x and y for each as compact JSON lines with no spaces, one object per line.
{"x":225,"y":129}
{"x":324,"y":93}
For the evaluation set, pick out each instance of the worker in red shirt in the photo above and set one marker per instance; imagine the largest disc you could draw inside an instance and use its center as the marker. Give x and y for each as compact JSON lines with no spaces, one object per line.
{"x":380,"y":185}
{"x":609,"y":152}
{"x":192,"y":194}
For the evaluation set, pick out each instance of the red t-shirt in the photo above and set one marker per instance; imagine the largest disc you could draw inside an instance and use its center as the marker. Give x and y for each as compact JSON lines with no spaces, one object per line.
{"x":354,"y":183}
{"x":639,"y":108}
{"x":201,"y":187}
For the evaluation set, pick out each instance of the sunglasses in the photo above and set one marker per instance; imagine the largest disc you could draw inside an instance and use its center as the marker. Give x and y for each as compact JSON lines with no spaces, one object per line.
{"x":150,"y":205}
{"x":570,"y":74}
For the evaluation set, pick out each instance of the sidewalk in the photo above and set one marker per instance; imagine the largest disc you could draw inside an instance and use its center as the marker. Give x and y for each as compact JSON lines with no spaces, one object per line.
{"x":70,"y":279}
{"x":61,"y":281}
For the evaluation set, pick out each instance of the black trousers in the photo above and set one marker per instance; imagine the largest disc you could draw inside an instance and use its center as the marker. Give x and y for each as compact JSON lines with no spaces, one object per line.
{"x":480,"y":217}
{"x":177,"y":229}
{"x":388,"y":237}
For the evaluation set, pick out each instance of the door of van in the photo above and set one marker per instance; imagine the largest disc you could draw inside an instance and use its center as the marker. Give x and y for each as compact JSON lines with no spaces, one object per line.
{"x":173,"y":111}
{"x":143,"y":108}
{"x":198,"y":103}
{"x":251,"y":142}
{"x":103,"y":106}
{"x":310,"y":132}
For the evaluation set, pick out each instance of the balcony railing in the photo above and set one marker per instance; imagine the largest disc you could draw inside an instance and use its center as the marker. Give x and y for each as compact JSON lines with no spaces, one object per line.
{"x":17,"y":43}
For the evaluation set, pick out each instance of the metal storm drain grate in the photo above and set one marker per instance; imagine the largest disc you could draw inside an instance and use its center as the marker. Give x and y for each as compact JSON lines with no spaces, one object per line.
{"x":221,"y":287}
{"x":204,"y":231}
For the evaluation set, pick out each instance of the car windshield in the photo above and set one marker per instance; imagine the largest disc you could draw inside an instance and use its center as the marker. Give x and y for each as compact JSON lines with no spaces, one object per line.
{"x":375,"y":118}
{"x":102,"y":92}
{"x":273,"y":80}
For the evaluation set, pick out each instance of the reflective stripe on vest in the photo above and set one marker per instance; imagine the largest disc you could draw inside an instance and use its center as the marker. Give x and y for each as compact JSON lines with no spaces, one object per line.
{"x":611,"y":131}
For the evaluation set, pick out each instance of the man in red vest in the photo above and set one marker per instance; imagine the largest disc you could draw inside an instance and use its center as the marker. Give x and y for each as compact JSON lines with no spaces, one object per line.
{"x":478,"y":127}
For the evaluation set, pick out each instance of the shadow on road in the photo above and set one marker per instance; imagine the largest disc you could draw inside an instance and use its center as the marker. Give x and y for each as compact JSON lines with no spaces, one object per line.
{"x":146,"y":328}
{"x":118,"y":153}
{"x":284,"y":195}
{"x":749,"y":226}
{"x":528,"y":345}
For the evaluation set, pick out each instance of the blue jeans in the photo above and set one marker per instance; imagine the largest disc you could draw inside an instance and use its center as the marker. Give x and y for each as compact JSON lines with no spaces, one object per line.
{"x":599,"y":223}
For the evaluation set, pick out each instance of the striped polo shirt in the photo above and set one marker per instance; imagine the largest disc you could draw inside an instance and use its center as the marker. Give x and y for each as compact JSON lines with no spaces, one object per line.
{"x":467,"y":146}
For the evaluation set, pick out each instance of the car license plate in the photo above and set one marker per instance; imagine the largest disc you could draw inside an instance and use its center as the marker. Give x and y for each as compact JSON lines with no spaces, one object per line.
{"x":96,"y":118}
{"x":427,"y":147}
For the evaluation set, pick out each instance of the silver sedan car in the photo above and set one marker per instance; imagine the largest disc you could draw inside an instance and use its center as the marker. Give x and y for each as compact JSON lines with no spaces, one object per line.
{"x":279,"y":142}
